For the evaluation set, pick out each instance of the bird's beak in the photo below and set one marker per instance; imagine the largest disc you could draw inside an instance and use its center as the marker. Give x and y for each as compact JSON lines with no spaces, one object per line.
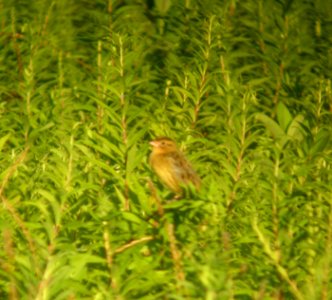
{"x":154,"y":144}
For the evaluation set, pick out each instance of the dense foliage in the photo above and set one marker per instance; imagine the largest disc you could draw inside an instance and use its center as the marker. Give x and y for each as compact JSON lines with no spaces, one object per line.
{"x":243,"y":86}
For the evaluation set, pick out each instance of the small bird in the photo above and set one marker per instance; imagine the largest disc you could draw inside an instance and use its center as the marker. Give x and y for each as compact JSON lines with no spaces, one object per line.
{"x":171,"y":166}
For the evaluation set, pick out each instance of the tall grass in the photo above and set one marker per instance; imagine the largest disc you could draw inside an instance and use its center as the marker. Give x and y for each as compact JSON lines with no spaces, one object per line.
{"x":244,"y":87}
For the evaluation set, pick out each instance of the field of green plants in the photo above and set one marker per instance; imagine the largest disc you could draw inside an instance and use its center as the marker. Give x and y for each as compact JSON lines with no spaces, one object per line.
{"x":243,"y":87}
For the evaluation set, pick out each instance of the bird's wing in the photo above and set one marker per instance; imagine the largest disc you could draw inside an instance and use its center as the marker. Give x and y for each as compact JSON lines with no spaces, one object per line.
{"x":183,"y":169}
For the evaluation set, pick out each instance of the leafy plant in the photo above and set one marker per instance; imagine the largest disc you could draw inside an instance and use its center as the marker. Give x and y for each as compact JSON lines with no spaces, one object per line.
{"x":244,"y":87}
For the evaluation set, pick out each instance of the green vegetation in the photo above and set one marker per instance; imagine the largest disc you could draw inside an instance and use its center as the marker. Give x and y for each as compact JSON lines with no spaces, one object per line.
{"x":243,"y":86}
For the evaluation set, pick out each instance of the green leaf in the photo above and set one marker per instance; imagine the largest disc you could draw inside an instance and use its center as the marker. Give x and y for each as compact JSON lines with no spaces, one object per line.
{"x":274,"y":128}
{"x":131,"y":217}
{"x":3,"y":140}
{"x":284,"y":116}
{"x":322,"y":140}
{"x":295,"y":130}
{"x":163,"y":5}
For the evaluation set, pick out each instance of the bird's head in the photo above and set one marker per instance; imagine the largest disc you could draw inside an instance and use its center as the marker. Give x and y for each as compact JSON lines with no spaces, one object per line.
{"x":163,"y":145}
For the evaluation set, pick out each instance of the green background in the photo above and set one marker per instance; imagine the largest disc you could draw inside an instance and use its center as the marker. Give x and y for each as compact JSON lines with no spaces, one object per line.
{"x":244,"y":87}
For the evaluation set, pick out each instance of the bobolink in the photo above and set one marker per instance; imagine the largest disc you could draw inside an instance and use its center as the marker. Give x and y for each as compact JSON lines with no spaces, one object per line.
{"x":171,"y":166}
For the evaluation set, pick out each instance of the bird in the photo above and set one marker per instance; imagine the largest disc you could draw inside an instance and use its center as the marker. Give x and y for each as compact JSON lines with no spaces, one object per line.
{"x":171,"y":165}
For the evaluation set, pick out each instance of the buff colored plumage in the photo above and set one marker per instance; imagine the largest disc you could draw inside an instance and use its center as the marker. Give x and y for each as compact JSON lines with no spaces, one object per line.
{"x":171,"y":166}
